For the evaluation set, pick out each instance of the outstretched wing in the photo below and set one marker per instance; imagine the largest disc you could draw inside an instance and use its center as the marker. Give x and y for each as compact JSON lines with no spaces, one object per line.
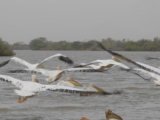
{"x":14,"y":81}
{"x":67,"y":88}
{"x":21,"y":61}
{"x":60,"y":56}
{"x":86,"y":69}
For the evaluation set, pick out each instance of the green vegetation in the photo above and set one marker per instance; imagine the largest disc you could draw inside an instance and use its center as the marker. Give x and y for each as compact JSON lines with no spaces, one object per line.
{"x":5,"y":49}
{"x":122,"y":45}
{"x":42,"y":43}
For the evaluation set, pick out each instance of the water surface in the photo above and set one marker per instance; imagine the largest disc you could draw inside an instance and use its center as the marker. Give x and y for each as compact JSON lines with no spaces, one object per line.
{"x":139,"y":100}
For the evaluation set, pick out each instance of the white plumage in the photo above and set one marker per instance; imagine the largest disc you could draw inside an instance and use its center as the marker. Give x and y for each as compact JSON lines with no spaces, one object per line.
{"x":40,"y":64}
{"x":28,"y":88}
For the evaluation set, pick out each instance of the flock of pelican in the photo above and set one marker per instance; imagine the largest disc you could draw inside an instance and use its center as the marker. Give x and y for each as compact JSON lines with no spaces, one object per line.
{"x":28,"y":89}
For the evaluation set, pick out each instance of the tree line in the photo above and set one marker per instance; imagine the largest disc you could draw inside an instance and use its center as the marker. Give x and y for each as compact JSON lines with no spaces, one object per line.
{"x":42,"y":43}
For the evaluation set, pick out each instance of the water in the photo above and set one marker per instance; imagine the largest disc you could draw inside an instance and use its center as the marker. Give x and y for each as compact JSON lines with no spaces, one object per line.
{"x":139,"y":100}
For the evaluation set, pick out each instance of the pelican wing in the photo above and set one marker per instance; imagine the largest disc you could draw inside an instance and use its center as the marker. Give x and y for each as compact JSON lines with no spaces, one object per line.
{"x":14,"y":81}
{"x":60,"y":56}
{"x":21,"y":61}
{"x":110,"y":63}
{"x":65,"y":88}
{"x":18,"y":71}
{"x":81,"y":70}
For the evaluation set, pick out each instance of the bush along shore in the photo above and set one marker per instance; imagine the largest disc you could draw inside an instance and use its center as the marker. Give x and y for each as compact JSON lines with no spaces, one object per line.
{"x":5,"y":49}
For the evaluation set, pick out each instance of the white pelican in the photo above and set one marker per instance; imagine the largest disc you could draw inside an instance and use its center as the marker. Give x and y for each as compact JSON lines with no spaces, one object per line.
{"x":103,"y":65}
{"x":40,"y":64}
{"x":138,"y":64}
{"x":94,"y":66}
{"x":92,"y":88}
{"x":112,"y":116}
{"x":27,"y":89}
{"x":142,"y":67}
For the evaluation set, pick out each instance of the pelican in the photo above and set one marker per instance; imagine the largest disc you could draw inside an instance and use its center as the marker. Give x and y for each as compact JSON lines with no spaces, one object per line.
{"x":94,"y":66}
{"x":92,"y":88}
{"x":112,"y":116}
{"x":138,"y":64}
{"x":103,"y":65}
{"x":27,"y":89}
{"x":40,"y":64}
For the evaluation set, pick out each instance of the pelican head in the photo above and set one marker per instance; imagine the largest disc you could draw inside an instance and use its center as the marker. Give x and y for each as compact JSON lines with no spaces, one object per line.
{"x":112,"y":116}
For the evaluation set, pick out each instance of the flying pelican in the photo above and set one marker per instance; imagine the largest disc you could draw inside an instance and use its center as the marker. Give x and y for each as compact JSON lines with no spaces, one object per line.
{"x":94,"y":66}
{"x":138,"y":64}
{"x":40,"y":64}
{"x":92,"y":88}
{"x":142,"y":67}
{"x":112,"y":116}
{"x":103,"y":65}
{"x":27,"y":89}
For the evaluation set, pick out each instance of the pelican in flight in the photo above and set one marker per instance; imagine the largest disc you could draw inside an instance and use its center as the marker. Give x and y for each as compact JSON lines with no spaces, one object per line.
{"x":40,"y":64}
{"x":103,"y":65}
{"x":148,"y":69}
{"x":27,"y":89}
{"x":92,"y":88}
{"x":138,"y":64}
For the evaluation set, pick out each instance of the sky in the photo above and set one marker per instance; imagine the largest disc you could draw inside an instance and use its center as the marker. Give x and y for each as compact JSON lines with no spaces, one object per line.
{"x":79,"y":20}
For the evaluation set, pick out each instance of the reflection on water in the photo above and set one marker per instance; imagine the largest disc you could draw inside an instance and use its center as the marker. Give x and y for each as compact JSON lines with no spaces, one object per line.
{"x":139,"y":100}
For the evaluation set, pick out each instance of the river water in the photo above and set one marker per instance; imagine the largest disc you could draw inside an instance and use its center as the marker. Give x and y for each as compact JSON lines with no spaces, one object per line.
{"x":139,"y":99}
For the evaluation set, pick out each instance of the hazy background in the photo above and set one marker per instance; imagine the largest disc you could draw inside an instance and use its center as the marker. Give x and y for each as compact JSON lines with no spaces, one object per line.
{"x":24,"y":20}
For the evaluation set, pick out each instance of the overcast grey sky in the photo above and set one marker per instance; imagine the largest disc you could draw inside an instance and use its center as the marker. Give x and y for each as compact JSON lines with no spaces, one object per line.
{"x":24,"y":20}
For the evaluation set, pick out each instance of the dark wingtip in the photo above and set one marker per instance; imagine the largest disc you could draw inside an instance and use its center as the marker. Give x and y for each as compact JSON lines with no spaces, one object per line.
{"x":4,"y":63}
{"x":66,"y":59}
{"x":17,"y":71}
